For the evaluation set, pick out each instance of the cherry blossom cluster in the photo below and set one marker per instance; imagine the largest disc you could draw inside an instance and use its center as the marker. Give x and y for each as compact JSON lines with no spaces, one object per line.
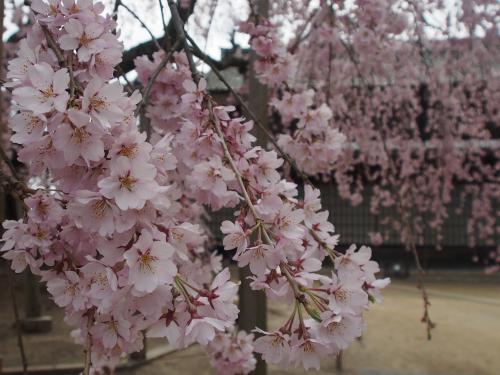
{"x":114,"y":228}
{"x":281,"y":238}
{"x":117,"y":242}
{"x":232,"y":353}
{"x":418,"y":133}
{"x":312,"y":138}
{"x":285,"y":259}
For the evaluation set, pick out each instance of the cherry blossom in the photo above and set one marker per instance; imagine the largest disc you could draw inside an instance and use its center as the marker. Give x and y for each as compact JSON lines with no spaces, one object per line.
{"x":47,"y":90}
{"x":130,"y":184}
{"x":150,"y":263}
{"x":85,"y":40}
{"x":116,"y":228}
{"x":79,"y":138}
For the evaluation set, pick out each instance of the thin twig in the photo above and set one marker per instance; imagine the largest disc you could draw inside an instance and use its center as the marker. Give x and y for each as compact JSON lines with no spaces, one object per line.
{"x":115,"y":10}
{"x":181,"y":34}
{"x":53,"y":45}
{"x":17,"y":323}
{"x":130,"y":87}
{"x":87,"y":352}
{"x":211,"y":19}
{"x":71,"y":78}
{"x":421,"y":272}
{"x":165,"y":27}
{"x":141,"y":22}
{"x":423,"y":52}
{"x":300,"y":34}
{"x":227,"y":154}
{"x":352,"y":57}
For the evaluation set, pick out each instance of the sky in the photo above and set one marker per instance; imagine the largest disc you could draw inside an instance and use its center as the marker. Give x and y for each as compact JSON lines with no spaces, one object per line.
{"x":227,"y":13}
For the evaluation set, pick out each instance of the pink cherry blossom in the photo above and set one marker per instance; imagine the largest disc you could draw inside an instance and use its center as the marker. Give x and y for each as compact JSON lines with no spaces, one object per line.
{"x":76,"y":137}
{"x":84,"y":39}
{"x":235,"y":238}
{"x":274,"y":347}
{"x":130,"y":184}
{"x":101,"y":100}
{"x":150,"y":263}
{"x":67,"y":290}
{"x":46,"y":92}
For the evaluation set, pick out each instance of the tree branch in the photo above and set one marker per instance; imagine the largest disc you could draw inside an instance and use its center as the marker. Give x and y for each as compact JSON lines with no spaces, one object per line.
{"x":181,"y":34}
{"x":148,"y":47}
{"x":88,"y":345}
{"x":165,"y":29}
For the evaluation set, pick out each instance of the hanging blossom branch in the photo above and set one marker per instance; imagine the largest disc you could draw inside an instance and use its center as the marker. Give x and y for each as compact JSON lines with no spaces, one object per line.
{"x":422,"y":104}
{"x":276,"y":227}
{"x":114,"y":235}
{"x":376,"y":107}
{"x":247,"y":110}
{"x":120,"y":244}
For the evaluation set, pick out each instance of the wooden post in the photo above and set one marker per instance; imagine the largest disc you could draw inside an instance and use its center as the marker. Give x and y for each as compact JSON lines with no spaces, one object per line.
{"x":253,"y":312}
{"x":32,"y":304}
{"x":253,"y":304}
{"x":258,"y":94}
{"x":142,"y":354}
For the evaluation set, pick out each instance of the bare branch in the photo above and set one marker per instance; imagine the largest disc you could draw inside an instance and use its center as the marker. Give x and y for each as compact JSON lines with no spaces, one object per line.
{"x":162,"y":11}
{"x":181,"y":34}
{"x":7,"y":161}
{"x":16,"y":187}
{"x":148,"y":47}
{"x":130,"y":87}
{"x":88,"y":345}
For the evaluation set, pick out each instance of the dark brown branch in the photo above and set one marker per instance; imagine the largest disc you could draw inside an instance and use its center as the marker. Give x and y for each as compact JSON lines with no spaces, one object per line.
{"x":147,"y":48}
{"x":181,"y":35}
{"x":7,"y":161}
{"x":11,"y":185}
{"x":52,"y":44}
{"x":162,"y":11}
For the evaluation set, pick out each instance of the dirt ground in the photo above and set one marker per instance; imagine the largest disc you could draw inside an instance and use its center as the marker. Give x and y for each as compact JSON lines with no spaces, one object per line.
{"x":465,"y":341}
